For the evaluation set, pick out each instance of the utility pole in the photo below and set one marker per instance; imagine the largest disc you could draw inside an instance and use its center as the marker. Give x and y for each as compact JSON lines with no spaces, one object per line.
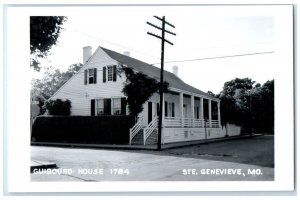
{"x":163,"y":40}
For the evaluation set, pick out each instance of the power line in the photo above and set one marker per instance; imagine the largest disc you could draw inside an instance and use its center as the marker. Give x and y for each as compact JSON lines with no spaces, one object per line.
{"x":115,"y":44}
{"x":217,"y":57}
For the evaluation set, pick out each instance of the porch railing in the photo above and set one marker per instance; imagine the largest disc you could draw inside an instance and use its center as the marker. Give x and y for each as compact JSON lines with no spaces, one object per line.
{"x":189,"y":122}
{"x":150,"y":128}
{"x":135,"y":129}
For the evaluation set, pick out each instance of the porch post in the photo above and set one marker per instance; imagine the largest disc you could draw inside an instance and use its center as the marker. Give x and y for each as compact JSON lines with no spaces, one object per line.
{"x":192,"y":109}
{"x":219,"y":114}
{"x":201,"y":110}
{"x":209,"y":112}
{"x":181,"y":107}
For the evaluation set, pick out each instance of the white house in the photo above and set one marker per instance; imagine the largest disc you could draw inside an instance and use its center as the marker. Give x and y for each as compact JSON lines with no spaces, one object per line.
{"x":97,"y":90}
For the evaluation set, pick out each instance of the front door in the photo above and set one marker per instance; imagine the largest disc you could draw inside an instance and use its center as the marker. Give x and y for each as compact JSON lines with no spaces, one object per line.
{"x":149,"y":112}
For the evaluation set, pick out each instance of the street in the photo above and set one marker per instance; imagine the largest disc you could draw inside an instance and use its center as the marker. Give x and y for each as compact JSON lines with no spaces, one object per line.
{"x":236,"y":160}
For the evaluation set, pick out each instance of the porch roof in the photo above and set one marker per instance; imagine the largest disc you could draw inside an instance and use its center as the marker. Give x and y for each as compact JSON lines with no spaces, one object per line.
{"x":154,"y":72}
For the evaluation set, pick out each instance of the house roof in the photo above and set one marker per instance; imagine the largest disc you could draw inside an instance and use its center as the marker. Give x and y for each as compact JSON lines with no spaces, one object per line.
{"x":153,"y":72}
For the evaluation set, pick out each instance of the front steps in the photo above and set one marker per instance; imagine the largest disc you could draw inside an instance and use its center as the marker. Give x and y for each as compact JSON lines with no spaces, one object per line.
{"x":139,"y":138}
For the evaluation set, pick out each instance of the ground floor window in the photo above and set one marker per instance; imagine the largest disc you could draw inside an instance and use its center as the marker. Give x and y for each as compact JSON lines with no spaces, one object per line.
{"x":214,"y":110}
{"x":169,"y":109}
{"x":196,"y":112}
{"x":99,"y":106}
{"x":108,"y":106}
{"x":116,"y":106}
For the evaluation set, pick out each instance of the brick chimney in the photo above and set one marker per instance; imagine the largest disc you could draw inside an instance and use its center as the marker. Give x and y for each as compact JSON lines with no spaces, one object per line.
{"x":87,"y":53}
{"x":175,"y":70}
{"x":127,"y":53}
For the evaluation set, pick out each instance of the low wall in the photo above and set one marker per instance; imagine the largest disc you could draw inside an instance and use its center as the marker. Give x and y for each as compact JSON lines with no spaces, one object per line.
{"x":231,"y":130}
{"x":189,"y":134}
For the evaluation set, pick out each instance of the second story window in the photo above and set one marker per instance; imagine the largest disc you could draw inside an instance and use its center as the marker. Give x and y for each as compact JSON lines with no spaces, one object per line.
{"x":90,"y":76}
{"x":110,"y":73}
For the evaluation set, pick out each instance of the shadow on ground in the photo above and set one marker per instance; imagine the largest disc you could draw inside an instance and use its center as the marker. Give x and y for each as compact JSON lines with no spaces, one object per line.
{"x":254,"y":150}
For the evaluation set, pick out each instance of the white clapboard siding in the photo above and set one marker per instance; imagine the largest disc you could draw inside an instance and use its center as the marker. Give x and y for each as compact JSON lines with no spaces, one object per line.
{"x":80,"y":94}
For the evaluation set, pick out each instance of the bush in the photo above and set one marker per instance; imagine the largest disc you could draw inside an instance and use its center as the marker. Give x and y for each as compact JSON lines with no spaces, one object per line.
{"x":58,"y":107}
{"x":83,"y":129}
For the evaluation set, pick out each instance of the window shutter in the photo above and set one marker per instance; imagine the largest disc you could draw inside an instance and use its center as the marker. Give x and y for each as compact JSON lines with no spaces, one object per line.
{"x":107,"y":106}
{"x":114,"y":73}
{"x":85,"y":77}
{"x":123,"y":106}
{"x":104,"y":74}
{"x":173,"y":109}
{"x":95,"y":75}
{"x":166,"y":108}
{"x":92,"y":107}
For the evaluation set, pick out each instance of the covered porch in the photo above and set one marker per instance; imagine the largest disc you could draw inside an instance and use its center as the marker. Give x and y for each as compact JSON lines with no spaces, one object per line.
{"x":186,"y":116}
{"x":191,"y":110}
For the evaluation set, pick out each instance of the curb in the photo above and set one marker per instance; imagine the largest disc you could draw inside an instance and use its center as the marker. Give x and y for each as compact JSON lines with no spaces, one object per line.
{"x":143,"y":147}
{"x":41,"y":165}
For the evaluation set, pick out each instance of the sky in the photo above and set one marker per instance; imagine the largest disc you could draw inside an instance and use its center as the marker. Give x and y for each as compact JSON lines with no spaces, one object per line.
{"x":213,"y":44}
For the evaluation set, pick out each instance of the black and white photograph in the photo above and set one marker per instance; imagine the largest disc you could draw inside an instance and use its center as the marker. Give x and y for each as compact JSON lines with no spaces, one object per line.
{"x":163,"y":94}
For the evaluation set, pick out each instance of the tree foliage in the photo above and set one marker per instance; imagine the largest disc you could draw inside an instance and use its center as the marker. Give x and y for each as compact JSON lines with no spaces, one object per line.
{"x":44,"y":32}
{"x":250,"y":106}
{"x":42,"y":89}
{"x":139,"y":88}
{"x":58,"y":107}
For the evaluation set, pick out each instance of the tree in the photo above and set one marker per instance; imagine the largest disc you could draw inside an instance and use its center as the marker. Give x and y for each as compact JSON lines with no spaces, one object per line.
{"x":262,"y":105}
{"x":44,"y":32}
{"x":44,"y":88}
{"x":58,"y":107}
{"x":235,"y":103}
{"x":139,"y":88}
{"x":248,"y":106}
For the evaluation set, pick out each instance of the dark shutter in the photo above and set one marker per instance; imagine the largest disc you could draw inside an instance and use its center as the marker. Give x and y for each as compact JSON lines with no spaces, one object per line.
{"x":85,"y":77}
{"x":107,"y":106}
{"x":95,"y":75}
{"x":157,"y":109}
{"x":166,"y":108}
{"x":173,"y":109}
{"x":104,"y":74}
{"x":123,"y":106}
{"x":114,"y":73}
{"x":93,"y":107}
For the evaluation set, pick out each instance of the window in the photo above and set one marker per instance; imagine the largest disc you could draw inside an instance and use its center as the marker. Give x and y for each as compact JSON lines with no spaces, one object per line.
{"x":90,"y":76}
{"x":109,"y":73}
{"x":108,"y":106}
{"x":196,"y":112}
{"x":169,"y":109}
{"x":116,"y":106}
{"x":99,"y":106}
